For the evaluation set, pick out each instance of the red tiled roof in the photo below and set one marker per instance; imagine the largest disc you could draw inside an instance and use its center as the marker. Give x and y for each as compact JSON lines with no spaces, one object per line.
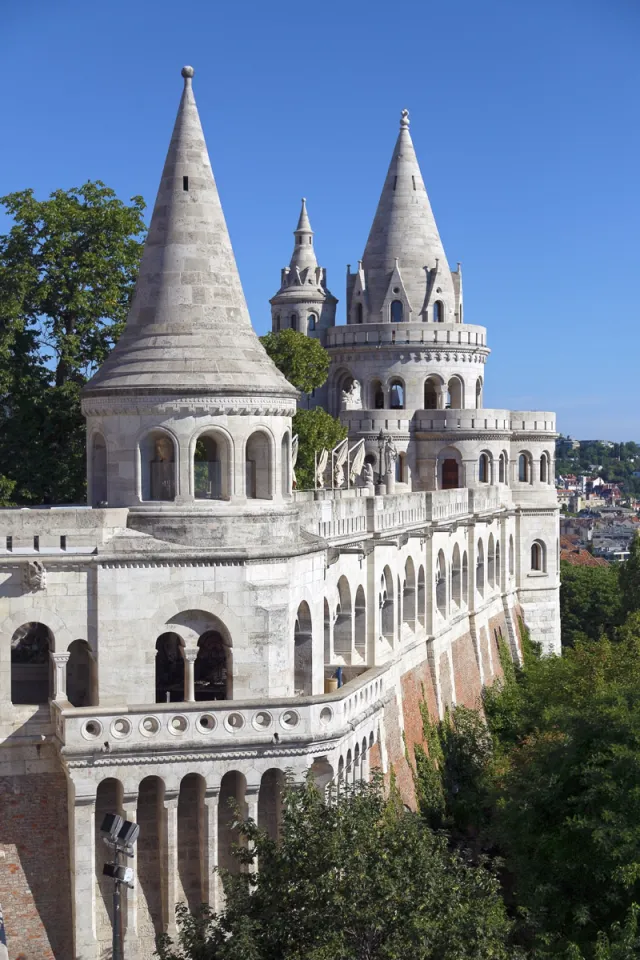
{"x":578,"y":557}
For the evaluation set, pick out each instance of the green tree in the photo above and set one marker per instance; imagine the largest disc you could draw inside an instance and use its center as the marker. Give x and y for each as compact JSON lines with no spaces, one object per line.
{"x":356,"y":879}
{"x":590,"y":602}
{"x":317,"y":430}
{"x":303,"y":360}
{"x":630,"y":578}
{"x":67,"y":271}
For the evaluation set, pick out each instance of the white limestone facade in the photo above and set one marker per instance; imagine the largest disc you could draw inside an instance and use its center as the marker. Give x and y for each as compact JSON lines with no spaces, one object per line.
{"x":173,"y":644}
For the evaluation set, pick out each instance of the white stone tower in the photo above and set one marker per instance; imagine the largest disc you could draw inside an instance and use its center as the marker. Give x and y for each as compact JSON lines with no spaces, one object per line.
{"x":188,"y":419}
{"x":303,"y":301}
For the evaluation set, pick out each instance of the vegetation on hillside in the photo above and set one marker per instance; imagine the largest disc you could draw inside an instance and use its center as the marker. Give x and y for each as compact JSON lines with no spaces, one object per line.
{"x":615,"y":464}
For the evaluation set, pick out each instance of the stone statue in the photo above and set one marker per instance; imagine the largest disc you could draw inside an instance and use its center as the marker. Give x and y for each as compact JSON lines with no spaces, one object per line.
{"x":339,"y":457}
{"x":390,"y":456}
{"x":368,"y":475}
{"x":35,"y":575}
{"x":352,"y":398}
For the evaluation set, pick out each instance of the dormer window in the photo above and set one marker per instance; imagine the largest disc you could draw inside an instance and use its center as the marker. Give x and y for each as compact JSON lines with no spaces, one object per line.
{"x":397,"y":311}
{"x":438,"y":312}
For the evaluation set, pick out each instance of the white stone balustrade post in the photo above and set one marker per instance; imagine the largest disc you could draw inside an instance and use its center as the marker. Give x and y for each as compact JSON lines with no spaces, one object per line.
{"x":60,"y":661}
{"x":190,"y":656}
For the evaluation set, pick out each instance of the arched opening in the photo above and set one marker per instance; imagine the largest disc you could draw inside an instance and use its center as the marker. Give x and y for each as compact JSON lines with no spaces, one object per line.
{"x":293,"y":321}
{"x":387,"y":613}
{"x":357,"y":773}
{"x":438,"y":312}
{"x":328,"y":658}
{"x":211,"y":463}
{"x":538,"y":556}
{"x":422,"y":597}
{"x":376,"y":394}
{"x":479,"y":393}
{"x":401,"y":468}
{"x":343,"y":626}
{"x":491,"y":562}
{"x":455,"y":390}
{"x":232,"y":798}
{"x":150,"y":866}
{"x":409,"y":595}
{"x":258,"y":466}
{"x":98,"y":470}
{"x":312,"y":321}
{"x":456,"y":572}
{"x":480,"y":569}
{"x":302,"y":652}
{"x":544,"y":468}
{"x":285,"y":458}
{"x":31,"y":674}
{"x":503,"y":467}
{"x":396,"y":395}
{"x":108,"y":800}
{"x":169,"y":669}
{"x":397,"y":311}
{"x":323,"y":775}
{"x":465,"y":578}
{"x":511,"y":557}
{"x":277,"y":323}
{"x":191,"y":840}
{"x":524,"y":468}
{"x":212,"y":670}
{"x":441,"y":584}
{"x":81,"y":679}
{"x":449,"y":474}
{"x":272,"y":784}
{"x":158,"y":467}
{"x":360,"y":624}
{"x":484,"y":468}
{"x":498,"y":571}
{"x":432,"y":392}
{"x":359,"y":313}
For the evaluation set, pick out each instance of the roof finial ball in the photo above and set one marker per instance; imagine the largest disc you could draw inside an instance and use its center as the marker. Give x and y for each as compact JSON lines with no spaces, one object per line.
{"x":187,"y":72}
{"x":404,"y":119}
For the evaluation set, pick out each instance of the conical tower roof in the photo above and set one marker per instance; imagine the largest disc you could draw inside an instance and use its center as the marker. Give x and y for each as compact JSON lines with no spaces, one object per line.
{"x":188,"y":330}
{"x":303,"y":253}
{"x":404,"y":230}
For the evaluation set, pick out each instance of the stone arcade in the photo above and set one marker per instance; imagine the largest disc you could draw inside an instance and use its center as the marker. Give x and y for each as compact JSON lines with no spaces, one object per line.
{"x":166,"y":647}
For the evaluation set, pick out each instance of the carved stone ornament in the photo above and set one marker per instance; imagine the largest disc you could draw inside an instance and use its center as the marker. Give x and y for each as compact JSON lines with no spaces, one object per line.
{"x":34,"y":575}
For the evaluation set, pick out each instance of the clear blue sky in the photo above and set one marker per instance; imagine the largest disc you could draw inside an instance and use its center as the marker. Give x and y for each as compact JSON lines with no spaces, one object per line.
{"x":525,"y":116}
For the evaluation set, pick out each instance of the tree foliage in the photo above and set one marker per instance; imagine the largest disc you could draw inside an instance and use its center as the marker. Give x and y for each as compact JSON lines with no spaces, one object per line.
{"x":317,"y":430}
{"x":590,"y":602}
{"x":629,"y":574}
{"x":67,"y":271}
{"x":356,"y":879}
{"x":303,"y":360}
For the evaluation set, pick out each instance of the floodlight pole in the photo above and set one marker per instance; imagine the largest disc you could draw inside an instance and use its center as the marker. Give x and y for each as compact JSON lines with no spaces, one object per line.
{"x":117,"y":951}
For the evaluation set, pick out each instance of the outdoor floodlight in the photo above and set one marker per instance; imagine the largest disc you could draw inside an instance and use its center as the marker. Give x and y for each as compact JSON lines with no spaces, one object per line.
{"x":118,"y":872}
{"x":128,"y":833}
{"x":111,"y":825}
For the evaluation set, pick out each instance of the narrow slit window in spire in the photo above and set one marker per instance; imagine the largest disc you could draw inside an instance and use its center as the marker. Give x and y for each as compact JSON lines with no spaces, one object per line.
{"x":185,"y":183}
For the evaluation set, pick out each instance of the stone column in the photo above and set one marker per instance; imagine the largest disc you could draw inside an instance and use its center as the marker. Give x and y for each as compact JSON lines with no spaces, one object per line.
{"x":211,"y":891}
{"x":130,"y":812}
{"x":251,"y":799}
{"x":442,"y":391}
{"x":171,"y":860}
{"x":190,"y":655}
{"x":82,"y":858}
{"x":60,"y":661}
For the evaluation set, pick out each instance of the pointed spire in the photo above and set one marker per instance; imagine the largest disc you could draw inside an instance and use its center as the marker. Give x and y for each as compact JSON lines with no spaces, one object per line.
{"x":188,"y":329}
{"x":304,"y":255}
{"x":404,"y":229}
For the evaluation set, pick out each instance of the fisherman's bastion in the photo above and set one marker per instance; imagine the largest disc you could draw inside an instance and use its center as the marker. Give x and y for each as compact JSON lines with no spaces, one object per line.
{"x":201,"y":627}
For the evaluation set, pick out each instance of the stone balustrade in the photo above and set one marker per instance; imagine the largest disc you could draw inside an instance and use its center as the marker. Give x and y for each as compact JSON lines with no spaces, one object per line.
{"x":169,"y":727}
{"x":485,"y":499}
{"x":57,"y":530}
{"x":416,"y":334}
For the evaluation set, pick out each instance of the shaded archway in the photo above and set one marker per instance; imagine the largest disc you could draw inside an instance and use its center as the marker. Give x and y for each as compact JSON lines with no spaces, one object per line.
{"x":498,"y":570}
{"x":81,"y":678}
{"x":433,"y":393}
{"x":539,"y":556}
{"x":465,"y":578}
{"x":158,"y":466}
{"x":511,"y":556}
{"x":396,"y":394}
{"x":491,"y":562}
{"x":108,"y":800}
{"x":441,"y":584}
{"x":409,"y":595}
{"x":343,"y":626}
{"x":151,"y":856}
{"x":387,"y":611}
{"x":456,"y":576}
{"x":98,"y":470}
{"x":272,"y":785}
{"x":213,"y":669}
{"x":327,"y":633}
{"x":191,"y":840}
{"x":422,"y":597}
{"x":455,"y":390}
{"x":480,"y":569}
{"x":232,"y":792}
{"x":31,"y":674}
{"x":302,"y":652}
{"x":212,"y":467}
{"x":360,"y":624}
{"x":524,"y":468}
{"x":169,"y":668}
{"x":376,"y":395}
{"x":258,"y":466}
{"x":323,"y":774}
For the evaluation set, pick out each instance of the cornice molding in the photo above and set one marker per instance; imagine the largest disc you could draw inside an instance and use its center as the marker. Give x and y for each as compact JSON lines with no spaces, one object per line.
{"x":211,"y":406}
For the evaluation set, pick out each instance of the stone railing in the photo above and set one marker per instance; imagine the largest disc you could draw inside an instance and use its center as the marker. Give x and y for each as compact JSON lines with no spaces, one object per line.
{"x":448,"y":504}
{"x":55,"y":530}
{"x":489,"y":419}
{"x":397,"y":510}
{"x":416,"y":334}
{"x":485,"y":500}
{"x":161,"y":727}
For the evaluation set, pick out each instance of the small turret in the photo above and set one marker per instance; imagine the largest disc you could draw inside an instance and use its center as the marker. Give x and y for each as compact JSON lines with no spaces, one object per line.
{"x":303,"y":301}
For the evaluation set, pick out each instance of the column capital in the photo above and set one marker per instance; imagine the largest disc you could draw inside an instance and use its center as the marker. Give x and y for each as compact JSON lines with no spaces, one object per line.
{"x":190,"y":654}
{"x":62,"y":657}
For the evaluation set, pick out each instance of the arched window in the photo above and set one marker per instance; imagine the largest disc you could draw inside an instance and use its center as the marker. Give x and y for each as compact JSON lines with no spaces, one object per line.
{"x":544,"y":468}
{"x":409,"y":595}
{"x":432,"y":393}
{"x":456,"y":393}
{"x":450,"y":474}
{"x":438,"y":312}
{"x":302,"y":653}
{"x":441,"y":584}
{"x":294,"y":321}
{"x":479,"y":393}
{"x":502,"y":468}
{"x":211,"y":463}
{"x":31,"y":673}
{"x":456,"y":586}
{"x":343,"y":623}
{"x":80,"y":674}
{"x":480,"y":569}
{"x":483,"y":468}
{"x":465,"y":578}
{"x":538,"y":556}
{"x":422,"y":596}
{"x":524,"y":472}
{"x":157,"y":461}
{"x":397,"y":311}
{"x":396,"y":395}
{"x":277,"y":322}
{"x":401,"y":468}
{"x":376,"y":395}
{"x":359,"y":312}
{"x":98,"y":470}
{"x":360,"y":624}
{"x":169,"y":669}
{"x":311,"y":321}
{"x":491,"y":562}
{"x":258,"y":467}
{"x":285,"y":465}
{"x":387,"y":614}
{"x":213,"y":667}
